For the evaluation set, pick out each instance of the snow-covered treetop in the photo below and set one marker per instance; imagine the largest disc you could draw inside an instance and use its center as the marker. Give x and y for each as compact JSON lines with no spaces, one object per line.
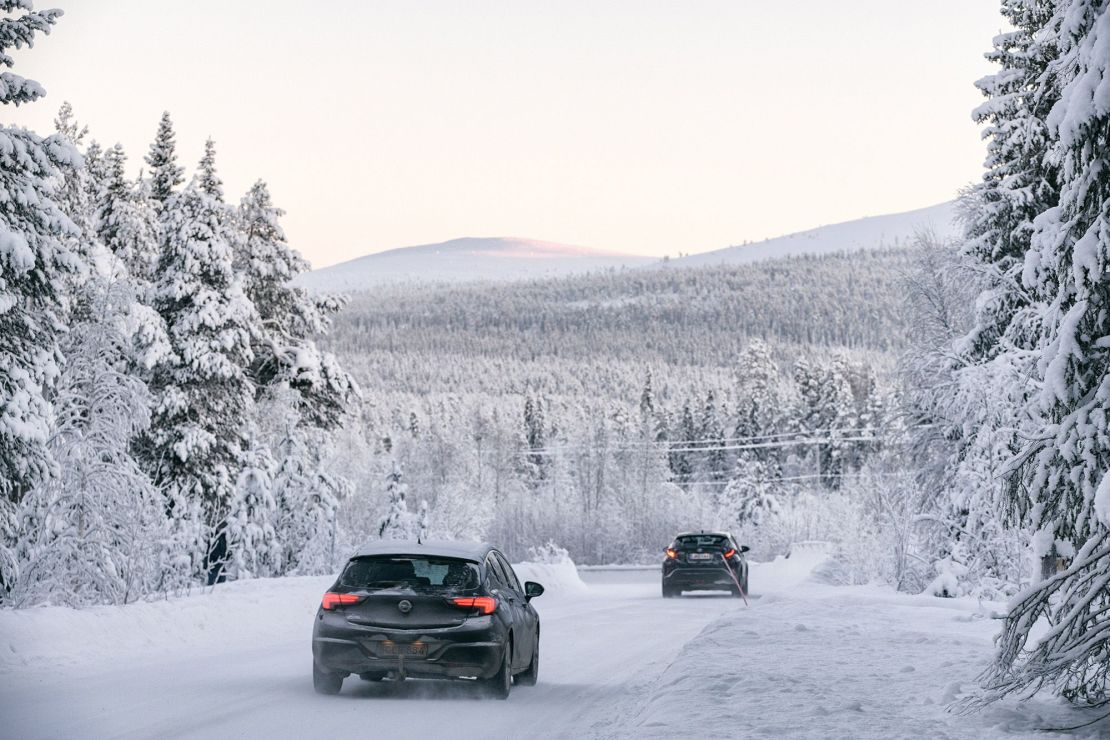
{"x":207,"y":179}
{"x":165,"y":174}
{"x":66,"y":124}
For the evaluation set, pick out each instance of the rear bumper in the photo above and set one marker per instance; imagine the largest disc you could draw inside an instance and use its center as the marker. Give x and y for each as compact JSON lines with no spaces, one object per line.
{"x":474,"y":649}
{"x":699,"y":578}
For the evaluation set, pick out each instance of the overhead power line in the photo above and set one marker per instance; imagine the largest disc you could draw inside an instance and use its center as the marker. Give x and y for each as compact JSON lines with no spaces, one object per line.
{"x":725,"y":443}
{"x":551,"y":452}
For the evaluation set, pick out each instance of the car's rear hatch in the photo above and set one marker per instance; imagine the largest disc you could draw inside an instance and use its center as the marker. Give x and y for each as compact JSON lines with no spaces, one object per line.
{"x":408,"y":591}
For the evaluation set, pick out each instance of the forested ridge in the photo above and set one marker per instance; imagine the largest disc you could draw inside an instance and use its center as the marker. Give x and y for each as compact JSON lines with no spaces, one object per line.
{"x":699,"y":316}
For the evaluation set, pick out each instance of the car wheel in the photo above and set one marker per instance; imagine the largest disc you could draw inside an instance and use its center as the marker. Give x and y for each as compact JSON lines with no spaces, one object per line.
{"x":501,"y":683}
{"x":371,"y":676}
{"x":668,"y":592}
{"x":326,"y":682}
{"x":531,"y":674}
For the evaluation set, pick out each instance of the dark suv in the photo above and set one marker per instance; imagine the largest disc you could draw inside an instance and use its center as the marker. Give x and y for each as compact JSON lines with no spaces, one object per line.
{"x":431,"y":610}
{"x":705,"y":561}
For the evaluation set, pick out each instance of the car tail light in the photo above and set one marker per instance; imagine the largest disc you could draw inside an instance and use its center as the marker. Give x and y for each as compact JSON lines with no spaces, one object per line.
{"x":332,"y":599}
{"x":672,"y":554}
{"x":484,"y":604}
{"x":729,"y":553}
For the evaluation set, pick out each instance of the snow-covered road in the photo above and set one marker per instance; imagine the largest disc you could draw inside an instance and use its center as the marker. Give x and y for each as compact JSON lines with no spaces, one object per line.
{"x":601,"y":655}
{"x":618,"y":661}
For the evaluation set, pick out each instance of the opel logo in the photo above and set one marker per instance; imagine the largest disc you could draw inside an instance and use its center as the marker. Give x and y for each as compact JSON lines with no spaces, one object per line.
{"x":405,"y":606}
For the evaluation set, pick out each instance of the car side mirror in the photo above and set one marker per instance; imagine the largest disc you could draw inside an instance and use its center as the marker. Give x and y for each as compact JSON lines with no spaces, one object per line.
{"x":744,"y":548}
{"x":532,"y":590}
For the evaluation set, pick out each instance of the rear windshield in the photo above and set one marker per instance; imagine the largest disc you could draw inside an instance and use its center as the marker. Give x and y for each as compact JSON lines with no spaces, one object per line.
{"x":701,"y":540}
{"x":403,"y":571}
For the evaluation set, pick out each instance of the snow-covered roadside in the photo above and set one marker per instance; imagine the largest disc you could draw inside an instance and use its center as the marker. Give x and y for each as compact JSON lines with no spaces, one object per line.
{"x":813,"y":660}
{"x":231,"y":614}
{"x":227,"y":616}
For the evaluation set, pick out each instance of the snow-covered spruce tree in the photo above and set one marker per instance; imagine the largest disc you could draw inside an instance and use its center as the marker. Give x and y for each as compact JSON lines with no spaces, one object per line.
{"x":324,"y":497}
{"x":1064,"y":475}
{"x":714,"y":461}
{"x":397,"y":524}
{"x":535,"y":436}
{"x":827,"y":411}
{"x":1018,"y":183}
{"x":307,"y":498}
{"x":252,"y":538}
{"x":74,"y":200}
{"x":647,"y":404}
{"x":422,"y":516}
{"x":207,"y":180}
{"x":94,"y":166}
{"x":291,"y":483}
{"x":969,"y":392}
{"x":35,"y":263}
{"x":125,"y":218}
{"x":759,"y":397}
{"x":681,"y":458}
{"x":749,"y":498}
{"x":285,"y":353}
{"x":95,"y":532}
{"x":203,"y":394}
{"x":165,"y":173}
{"x":74,"y":192}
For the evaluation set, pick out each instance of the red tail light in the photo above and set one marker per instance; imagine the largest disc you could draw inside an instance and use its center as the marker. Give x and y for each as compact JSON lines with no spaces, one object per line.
{"x":671,"y":553}
{"x":484,"y":604}
{"x":729,"y":553}
{"x":332,"y":599}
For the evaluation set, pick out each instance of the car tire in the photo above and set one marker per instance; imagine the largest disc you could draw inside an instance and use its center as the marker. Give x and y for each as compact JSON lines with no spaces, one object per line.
{"x":501,"y":683}
{"x":371,"y":676}
{"x":530,"y":675}
{"x":326,"y":682}
{"x":668,"y":592}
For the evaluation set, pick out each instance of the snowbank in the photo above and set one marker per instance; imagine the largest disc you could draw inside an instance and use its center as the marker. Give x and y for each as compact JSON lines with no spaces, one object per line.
{"x":231,"y":614}
{"x":559,"y":578}
{"x":241,"y":612}
{"x":786,"y":572}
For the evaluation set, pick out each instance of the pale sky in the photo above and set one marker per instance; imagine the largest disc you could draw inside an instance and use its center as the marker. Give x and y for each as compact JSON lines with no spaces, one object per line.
{"x":640,"y":126}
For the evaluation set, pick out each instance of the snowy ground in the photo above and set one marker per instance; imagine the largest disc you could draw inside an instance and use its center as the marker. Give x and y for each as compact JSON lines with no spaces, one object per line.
{"x":804,"y":660}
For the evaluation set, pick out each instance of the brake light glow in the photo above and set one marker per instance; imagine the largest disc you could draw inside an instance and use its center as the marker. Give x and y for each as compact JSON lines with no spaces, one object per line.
{"x":484,"y":604}
{"x":332,"y":599}
{"x":729,"y":553}
{"x":671,"y":553}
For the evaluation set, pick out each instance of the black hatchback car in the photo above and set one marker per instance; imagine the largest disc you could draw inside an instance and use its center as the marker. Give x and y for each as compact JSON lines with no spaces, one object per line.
{"x":427,"y":610}
{"x":705,"y":561}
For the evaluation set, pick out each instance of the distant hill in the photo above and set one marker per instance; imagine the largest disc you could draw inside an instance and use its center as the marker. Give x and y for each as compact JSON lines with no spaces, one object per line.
{"x":892,"y":230}
{"x":467,"y":259}
{"x":509,"y":258}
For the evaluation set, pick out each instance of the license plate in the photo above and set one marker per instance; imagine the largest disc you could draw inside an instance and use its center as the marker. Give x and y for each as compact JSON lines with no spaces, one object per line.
{"x":405,"y":649}
{"x":701,"y":556}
